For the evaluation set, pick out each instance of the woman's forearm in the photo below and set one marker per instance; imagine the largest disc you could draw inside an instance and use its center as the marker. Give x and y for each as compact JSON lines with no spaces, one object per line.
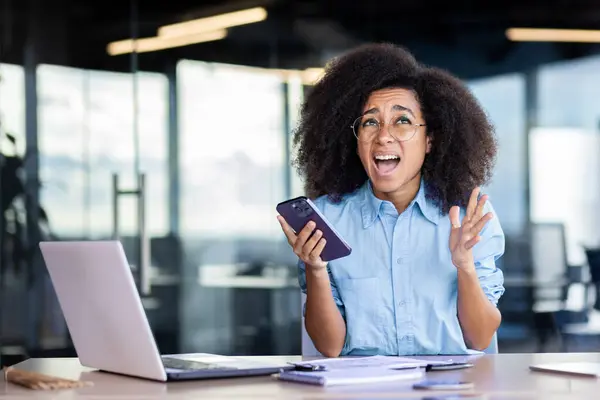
{"x":479,"y":318}
{"x":323,"y":320}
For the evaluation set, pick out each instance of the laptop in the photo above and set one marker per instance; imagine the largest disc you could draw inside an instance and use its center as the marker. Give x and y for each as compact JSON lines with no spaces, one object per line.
{"x":108,"y":324}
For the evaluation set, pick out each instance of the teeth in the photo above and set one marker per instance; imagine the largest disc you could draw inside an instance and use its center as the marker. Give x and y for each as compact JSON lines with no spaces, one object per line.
{"x":387,"y":157}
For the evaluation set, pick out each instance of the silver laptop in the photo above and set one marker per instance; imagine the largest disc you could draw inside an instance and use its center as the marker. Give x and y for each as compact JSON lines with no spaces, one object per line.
{"x":108,"y":325}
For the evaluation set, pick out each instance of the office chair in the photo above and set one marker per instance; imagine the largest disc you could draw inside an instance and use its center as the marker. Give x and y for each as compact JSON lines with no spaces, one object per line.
{"x":593,"y":259}
{"x":549,"y":265}
{"x":585,"y":336}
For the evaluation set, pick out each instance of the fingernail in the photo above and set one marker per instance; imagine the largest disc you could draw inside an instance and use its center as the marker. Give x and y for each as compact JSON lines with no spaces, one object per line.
{"x":319,"y":233}
{"x":311,"y":224}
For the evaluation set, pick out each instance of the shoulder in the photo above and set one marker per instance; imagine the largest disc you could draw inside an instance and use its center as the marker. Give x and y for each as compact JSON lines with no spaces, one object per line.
{"x":493,"y":227}
{"x":492,"y":236}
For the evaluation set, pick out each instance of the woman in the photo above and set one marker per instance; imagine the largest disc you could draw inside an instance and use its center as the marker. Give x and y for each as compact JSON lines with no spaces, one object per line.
{"x":394,"y":153}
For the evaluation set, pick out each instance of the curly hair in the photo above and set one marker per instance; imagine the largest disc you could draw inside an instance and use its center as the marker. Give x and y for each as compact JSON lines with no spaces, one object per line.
{"x":463,"y":144}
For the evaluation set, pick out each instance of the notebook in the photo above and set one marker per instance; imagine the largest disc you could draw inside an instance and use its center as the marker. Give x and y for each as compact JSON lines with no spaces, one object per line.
{"x":351,"y":376}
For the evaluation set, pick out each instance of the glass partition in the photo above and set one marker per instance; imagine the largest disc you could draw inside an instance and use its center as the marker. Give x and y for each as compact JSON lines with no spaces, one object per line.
{"x":238,"y":296}
{"x":85,"y":135}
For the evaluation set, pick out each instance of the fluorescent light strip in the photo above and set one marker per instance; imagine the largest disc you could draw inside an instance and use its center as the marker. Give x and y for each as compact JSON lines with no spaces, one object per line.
{"x":308,"y":76}
{"x":208,"y":24}
{"x":553,"y":35}
{"x":145,"y":45}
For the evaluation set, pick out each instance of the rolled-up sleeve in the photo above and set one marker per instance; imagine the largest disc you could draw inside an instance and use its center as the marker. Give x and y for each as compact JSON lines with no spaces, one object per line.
{"x":334,"y":290}
{"x":486,"y":254}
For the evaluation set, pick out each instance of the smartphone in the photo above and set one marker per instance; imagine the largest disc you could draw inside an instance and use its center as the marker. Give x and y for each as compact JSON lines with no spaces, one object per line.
{"x":456,"y":397}
{"x":443,"y":385}
{"x":300,"y":211}
{"x":448,"y":367}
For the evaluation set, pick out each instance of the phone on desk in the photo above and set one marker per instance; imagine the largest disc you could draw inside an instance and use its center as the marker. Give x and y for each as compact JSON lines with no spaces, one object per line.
{"x":436,"y":384}
{"x":299,"y":211}
{"x":456,"y":397}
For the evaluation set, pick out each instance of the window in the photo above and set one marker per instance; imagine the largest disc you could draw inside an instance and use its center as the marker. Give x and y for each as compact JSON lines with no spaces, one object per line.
{"x":61,"y":141}
{"x":232,"y":155}
{"x":112,"y":148}
{"x":295,"y":99}
{"x":86,"y":135}
{"x":565,"y":184}
{"x":568,"y":94}
{"x":232,"y":150}
{"x":503,"y":98}
{"x":564,"y":148}
{"x":12,"y":107}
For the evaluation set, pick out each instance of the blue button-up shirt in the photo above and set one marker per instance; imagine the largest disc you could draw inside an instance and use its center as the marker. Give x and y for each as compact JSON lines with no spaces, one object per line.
{"x":397,"y":291}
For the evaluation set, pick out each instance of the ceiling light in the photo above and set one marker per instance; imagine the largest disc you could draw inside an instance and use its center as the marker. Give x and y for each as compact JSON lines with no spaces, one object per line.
{"x":553,"y":35}
{"x":310,"y":76}
{"x":160,"y":43}
{"x":208,"y":24}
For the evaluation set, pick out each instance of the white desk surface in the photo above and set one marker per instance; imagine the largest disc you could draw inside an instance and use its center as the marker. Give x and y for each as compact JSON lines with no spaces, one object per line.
{"x":502,"y":376}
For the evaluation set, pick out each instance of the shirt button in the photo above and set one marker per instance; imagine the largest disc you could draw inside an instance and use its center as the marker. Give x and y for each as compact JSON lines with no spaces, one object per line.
{"x":399,"y":260}
{"x":402,"y":303}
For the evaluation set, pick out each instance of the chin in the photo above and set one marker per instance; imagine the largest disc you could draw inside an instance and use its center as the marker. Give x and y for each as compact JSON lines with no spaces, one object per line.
{"x":386,"y":184}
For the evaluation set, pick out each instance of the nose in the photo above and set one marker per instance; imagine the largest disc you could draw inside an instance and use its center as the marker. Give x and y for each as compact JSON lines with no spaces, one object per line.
{"x":383,"y":136}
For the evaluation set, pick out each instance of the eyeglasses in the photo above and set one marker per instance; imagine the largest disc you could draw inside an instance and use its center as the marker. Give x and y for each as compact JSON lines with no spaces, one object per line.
{"x":367,"y":127}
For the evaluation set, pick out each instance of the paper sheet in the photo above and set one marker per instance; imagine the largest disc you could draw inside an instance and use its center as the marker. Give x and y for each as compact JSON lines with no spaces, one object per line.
{"x":352,"y":376}
{"x":373,"y":361}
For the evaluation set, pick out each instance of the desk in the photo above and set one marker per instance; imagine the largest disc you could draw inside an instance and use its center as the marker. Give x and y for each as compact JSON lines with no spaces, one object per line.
{"x":500,"y":376}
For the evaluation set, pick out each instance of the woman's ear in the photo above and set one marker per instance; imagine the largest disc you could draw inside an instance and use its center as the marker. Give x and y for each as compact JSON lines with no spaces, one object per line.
{"x":428,"y":149}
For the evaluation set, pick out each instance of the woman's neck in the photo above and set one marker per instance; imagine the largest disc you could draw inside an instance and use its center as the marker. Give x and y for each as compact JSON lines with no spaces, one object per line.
{"x":401,"y":197}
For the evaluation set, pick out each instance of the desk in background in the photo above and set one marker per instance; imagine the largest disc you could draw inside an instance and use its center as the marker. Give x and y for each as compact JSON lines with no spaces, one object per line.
{"x":500,"y":376}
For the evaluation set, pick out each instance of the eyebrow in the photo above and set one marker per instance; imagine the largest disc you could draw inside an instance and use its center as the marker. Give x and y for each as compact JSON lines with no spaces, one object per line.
{"x":395,"y":107}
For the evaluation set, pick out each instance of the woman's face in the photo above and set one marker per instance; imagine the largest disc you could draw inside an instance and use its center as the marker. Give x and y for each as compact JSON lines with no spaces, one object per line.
{"x":392,"y":156}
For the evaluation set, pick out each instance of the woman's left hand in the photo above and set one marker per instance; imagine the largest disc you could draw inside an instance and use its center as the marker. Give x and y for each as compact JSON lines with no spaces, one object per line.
{"x":466,"y":235}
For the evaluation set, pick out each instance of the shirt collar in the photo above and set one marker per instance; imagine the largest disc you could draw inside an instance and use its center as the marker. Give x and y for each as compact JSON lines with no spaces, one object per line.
{"x":371,"y":205}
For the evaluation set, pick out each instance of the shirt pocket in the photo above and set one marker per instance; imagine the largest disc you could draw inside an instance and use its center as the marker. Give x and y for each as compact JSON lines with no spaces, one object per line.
{"x":365,"y":324}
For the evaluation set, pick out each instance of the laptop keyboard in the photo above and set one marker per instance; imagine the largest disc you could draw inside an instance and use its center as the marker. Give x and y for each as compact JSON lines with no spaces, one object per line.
{"x":188,"y":365}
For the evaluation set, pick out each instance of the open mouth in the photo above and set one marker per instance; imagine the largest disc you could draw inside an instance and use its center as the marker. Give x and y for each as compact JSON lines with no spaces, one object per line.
{"x":386,"y":163}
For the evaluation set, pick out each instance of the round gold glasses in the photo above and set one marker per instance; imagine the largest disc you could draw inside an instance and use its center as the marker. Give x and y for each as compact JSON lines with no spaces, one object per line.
{"x":367,"y":127}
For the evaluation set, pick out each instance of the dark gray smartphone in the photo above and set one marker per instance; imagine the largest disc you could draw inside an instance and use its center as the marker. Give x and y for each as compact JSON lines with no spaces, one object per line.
{"x":435,"y":384}
{"x":299,"y":211}
{"x":448,"y":367}
{"x":456,"y":397}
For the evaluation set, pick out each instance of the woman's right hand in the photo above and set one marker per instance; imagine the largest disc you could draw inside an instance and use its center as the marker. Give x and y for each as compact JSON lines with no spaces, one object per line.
{"x":307,"y":249}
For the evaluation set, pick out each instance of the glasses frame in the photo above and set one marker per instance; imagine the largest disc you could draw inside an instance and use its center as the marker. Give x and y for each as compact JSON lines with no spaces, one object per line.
{"x":416,"y":126}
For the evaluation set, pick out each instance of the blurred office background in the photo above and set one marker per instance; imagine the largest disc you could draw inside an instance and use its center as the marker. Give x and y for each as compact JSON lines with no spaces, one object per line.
{"x":182,"y":150}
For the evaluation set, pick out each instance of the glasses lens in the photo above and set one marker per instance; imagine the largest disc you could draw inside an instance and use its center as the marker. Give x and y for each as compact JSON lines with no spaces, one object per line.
{"x":402,"y":132}
{"x":365,"y":128}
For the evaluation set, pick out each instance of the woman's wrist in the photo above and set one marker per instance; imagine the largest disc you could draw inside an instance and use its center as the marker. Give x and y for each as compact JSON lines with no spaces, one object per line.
{"x":317,"y":271}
